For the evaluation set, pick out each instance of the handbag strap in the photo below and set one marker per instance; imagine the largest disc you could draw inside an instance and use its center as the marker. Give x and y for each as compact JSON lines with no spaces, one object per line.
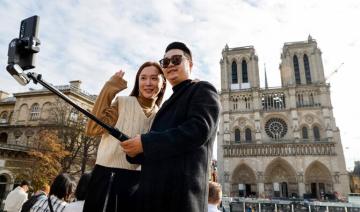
{"x":50,"y":205}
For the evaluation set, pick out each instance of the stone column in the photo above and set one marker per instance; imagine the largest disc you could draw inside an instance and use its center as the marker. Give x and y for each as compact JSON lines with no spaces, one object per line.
{"x":260,"y":184}
{"x":301,"y":184}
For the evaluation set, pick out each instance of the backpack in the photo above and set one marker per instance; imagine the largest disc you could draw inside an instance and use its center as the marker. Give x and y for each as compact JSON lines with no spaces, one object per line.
{"x":31,"y":201}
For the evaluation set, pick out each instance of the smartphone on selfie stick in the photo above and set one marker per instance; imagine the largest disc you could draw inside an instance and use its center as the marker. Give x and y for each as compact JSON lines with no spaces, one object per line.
{"x":21,"y":57}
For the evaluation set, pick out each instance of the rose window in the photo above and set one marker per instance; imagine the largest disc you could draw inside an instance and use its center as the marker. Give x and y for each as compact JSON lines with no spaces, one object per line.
{"x":276,"y":128}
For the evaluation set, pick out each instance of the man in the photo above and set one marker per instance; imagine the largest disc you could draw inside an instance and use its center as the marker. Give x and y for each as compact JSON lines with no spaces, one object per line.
{"x":215,"y":194}
{"x":39,"y":195}
{"x":16,"y":198}
{"x":176,"y":153}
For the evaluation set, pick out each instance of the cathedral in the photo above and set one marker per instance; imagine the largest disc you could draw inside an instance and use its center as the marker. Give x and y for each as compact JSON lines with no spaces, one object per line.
{"x":279,"y":141}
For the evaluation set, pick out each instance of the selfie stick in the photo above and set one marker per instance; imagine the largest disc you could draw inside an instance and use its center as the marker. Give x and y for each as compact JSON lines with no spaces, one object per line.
{"x":37,"y":78}
{"x":20,"y":58}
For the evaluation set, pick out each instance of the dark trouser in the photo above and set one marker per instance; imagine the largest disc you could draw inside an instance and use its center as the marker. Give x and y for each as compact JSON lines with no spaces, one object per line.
{"x":112,"y":187}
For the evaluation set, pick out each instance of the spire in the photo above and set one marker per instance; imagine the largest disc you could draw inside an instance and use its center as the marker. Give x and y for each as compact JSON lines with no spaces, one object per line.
{"x":266,"y":82}
{"x":310,"y":38}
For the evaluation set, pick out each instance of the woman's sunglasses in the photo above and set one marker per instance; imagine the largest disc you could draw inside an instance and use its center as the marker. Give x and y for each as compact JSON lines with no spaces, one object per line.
{"x":175,"y":60}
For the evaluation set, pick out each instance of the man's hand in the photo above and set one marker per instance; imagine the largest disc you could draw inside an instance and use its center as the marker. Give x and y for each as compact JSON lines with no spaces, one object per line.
{"x":133,"y":146}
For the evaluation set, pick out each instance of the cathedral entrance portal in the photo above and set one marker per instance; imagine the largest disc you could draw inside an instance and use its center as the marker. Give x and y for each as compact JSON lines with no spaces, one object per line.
{"x":243,"y":182}
{"x":318,"y":180}
{"x":280,"y":179}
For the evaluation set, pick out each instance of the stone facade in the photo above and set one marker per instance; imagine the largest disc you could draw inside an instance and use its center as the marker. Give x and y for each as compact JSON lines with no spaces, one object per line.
{"x":278,"y":142}
{"x":22,"y":116}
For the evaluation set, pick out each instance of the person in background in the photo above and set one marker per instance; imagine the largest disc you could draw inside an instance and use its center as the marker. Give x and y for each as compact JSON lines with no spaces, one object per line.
{"x":114,"y":180}
{"x":80,"y":194}
{"x":16,"y":198}
{"x":214,"y":199}
{"x":39,"y":195}
{"x":59,"y":196}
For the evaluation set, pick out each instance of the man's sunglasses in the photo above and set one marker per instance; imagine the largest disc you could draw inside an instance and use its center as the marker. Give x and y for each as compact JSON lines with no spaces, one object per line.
{"x":175,"y":60}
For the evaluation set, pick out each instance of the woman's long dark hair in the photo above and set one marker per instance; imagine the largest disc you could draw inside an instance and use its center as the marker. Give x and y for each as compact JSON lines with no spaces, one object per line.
{"x":62,"y":187}
{"x":135,"y":91}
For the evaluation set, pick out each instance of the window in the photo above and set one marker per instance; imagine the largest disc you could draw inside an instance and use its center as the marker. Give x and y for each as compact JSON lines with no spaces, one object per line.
{"x":276,"y":128}
{"x":296,"y":70}
{"x":234,"y":73}
{"x":248,"y":135}
{"x":3,"y":117}
{"x":305,"y":133}
{"x":3,"y":138}
{"x":307,"y":69}
{"x":74,"y":115}
{"x":244,"y":72}
{"x":35,"y":112}
{"x":316,"y":133}
{"x":237,"y":135}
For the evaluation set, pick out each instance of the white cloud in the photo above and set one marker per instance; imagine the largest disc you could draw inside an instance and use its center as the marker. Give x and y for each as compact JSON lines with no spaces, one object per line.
{"x":89,"y":41}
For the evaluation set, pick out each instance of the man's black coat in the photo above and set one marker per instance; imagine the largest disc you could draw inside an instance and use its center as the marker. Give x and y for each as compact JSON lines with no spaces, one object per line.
{"x":178,"y":150}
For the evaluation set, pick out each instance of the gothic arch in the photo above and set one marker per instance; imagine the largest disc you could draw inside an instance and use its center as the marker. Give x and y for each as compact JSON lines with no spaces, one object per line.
{"x":244,"y":71}
{"x":307,"y":68}
{"x":243,"y":181}
{"x":279,"y":170}
{"x":316,"y":126}
{"x":244,"y":174}
{"x":280,"y":179}
{"x":234,"y":72}
{"x":318,"y":179}
{"x":296,"y":69}
{"x":317,"y":172}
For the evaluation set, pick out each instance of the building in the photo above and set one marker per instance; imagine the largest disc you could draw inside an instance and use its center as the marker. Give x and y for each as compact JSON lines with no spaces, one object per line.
{"x":283,"y":141}
{"x":355,"y":178}
{"x":22,"y":116}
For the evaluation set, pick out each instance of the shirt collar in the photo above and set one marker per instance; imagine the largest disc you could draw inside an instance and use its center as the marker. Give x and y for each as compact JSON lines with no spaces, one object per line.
{"x":181,"y":84}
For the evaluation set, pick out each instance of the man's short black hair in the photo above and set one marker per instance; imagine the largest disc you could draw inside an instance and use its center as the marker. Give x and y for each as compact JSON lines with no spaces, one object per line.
{"x":25,"y":182}
{"x":181,"y":46}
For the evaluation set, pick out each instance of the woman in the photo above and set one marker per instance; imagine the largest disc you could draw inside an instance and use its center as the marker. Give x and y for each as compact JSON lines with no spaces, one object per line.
{"x":80,"y":194}
{"x":114,"y":180}
{"x":59,"y":196}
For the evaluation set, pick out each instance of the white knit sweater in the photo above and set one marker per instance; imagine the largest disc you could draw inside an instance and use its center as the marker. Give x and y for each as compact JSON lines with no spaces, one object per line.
{"x":132,"y":121}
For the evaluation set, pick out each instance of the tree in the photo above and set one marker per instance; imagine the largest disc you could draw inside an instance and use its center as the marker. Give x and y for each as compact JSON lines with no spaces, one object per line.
{"x":70,"y":125}
{"x":47,"y":156}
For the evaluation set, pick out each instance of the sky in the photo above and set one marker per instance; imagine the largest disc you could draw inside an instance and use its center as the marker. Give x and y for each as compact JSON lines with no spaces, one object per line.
{"x":89,"y":40}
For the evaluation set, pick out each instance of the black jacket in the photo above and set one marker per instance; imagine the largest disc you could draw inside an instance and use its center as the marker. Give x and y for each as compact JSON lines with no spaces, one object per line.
{"x":178,"y":150}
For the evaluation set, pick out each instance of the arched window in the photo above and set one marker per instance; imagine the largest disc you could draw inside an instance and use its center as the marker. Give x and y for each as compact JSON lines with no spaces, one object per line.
{"x":4,"y":117}
{"x":248,"y":135}
{"x":237,"y":135}
{"x":35,"y":112}
{"x":307,"y":69}
{"x":305,"y":133}
{"x":296,"y":70}
{"x":244,"y":72}
{"x":234,"y":76}
{"x":316,"y":133}
{"x":3,"y":138}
